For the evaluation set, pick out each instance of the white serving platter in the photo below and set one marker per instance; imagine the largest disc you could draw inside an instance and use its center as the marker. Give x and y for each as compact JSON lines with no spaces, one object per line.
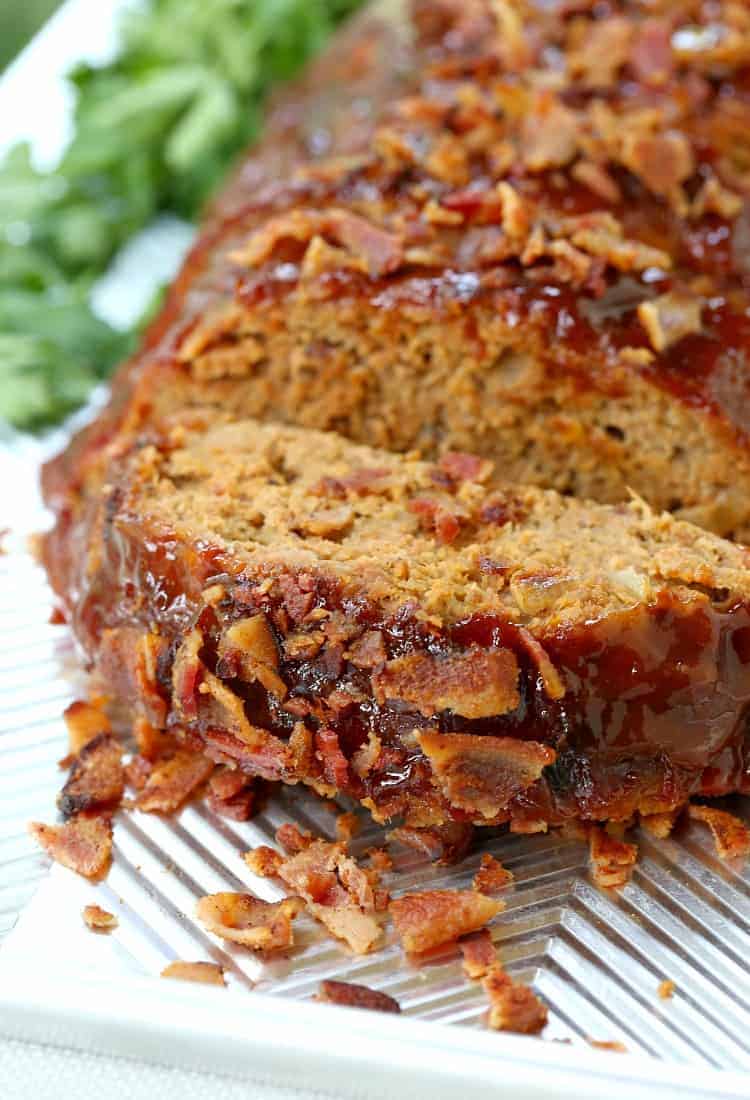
{"x":596,"y":958}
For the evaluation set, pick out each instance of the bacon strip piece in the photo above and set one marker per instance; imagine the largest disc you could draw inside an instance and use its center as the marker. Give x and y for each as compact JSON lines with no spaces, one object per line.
{"x":612,"y":860}
{"x":97,"y":778}
{"x":479,"y":954}
{"x":173,"y":781}
{"x":435,"y":917}
{"x":355,"y":996}
{"x":731,"y":836}
{"x":513,"y":1006}
{"x":206,"y":972}
{"x":250,"y":921}
{"x":491,"y":876}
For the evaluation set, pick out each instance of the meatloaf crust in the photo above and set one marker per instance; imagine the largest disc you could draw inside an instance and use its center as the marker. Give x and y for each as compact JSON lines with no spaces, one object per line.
{"x":520,"y":229}
{"x":414,"y":635}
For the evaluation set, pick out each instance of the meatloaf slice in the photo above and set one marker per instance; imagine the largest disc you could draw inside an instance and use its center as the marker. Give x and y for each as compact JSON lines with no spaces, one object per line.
{"x":524,"y":231}
{"x":415,"y":635}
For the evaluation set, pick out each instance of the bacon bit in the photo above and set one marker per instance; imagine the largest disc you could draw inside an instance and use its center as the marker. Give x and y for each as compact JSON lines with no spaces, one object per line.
{"x":714,"y":198}
{"x":670,"y":317}
{"x":368,"y":651}
{"x":478,"y":683}
{"x":597,"y":179}
{"x":608,"y":1044}
{"x":549,"y":134}
{"x":206,"y":972}
{"x":459,"y":466}
{"x":660,"y":825}
{"x":328,"y":752}
{"x":447,"y":161}
{"x":516,"y":218}
{"x":666,"y":989}
{"x":298,"y":592}
{"x":249,"y":921}
{"x":355,"y":996}
{"x":435,"y":917}
{"x":359,"y":483}
{"x":443,"y":518}
{"x":84,"y":843}
{"x":661,"y":161}
{"x":347,"y":826}
{"x":612,"y":860}
{"x":651,"y":57}
{"x":137,"y":772}
{"x":638,"y":357}
{"x":603,"y":237}
{"x":97,"y":778}
{"x":479,"y":954}
{"x":98,"y":919}
{"x":731,"y":836}
{"x":337,"y":893}
{"x":292,"y":839}
{"x":513,"y":1006}
{"x":152,"y":742}
{"x":511,"y":39}
{"x":482,"y":773}
{"x":442,"y":844}
{"x":251,"y":648}
{"x":528,"y":826}
{"x":606,"y":49}
{"x":491,"y":876}
{"x":171,"y":782}
{"x":84,"y":722}
{"x":232,"y":794}
{"x":551,"y":679}
{"x":380,"y":860}
{"x":264,"y":861}
{"x":436,"y":214}
{"x":501,"y":509}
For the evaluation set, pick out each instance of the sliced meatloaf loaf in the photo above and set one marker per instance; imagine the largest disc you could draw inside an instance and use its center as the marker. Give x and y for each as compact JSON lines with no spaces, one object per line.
{"x":415,"y":635}
{"x":524,"y":231}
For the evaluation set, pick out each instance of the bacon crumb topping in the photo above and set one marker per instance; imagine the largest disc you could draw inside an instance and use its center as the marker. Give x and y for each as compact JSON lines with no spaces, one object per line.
{"x":612,"y":860}
{"x":84,"y":722}
{"x":206,"y":972}
{"x":264,"y":861}
{"x":660,"y":825}
{"x":442,"y":844}
{"x":355,"y":996}
{"x":666,"y":989}
{"x":476,"y":684}
{"x":436,"y":917}
{"x":98,"y":919}
{"x":173,"y":781}
{"x":731,"y":836}
{"x":97,"y":778}
{"x":249,"y":921}
{"x":513,"y":1005}
{"x":293,"y":839}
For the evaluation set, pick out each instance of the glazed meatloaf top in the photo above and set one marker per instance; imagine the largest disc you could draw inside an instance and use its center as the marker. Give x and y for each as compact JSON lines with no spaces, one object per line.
{"x":527,"y":237}
{"x":413,"y":634}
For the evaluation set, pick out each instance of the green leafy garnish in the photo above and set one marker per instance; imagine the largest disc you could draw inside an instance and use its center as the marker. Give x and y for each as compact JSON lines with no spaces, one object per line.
{"x":155,"y":131}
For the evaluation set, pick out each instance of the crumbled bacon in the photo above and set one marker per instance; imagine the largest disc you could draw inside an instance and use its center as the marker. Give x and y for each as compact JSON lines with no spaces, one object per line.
{"x":608,"y":1044}
{"x":337,"y":893}
{"x":612,"y":860}
{"x":491,"y":876}
{"x":662,"y":161}
{"x":442,"y":844}
{"x":364,"y":482}
{"x":666,"y":989}
{"x":651,"y":57}
{"x":250,"y":646}
{"x":479,"y":953}
{"x":84,"y":722}
{"x":549,"y":134}
{"x":97,"y":778}
{"x":98,"y":919}
{"x":465,"y":467}
{"x":205,"y":972}
{"x":334,"y":763}
{"x":605,"y":50}
{"x":670,"y":317}
{"x":436,"y":917}
{"x":661,"y":824}
{"x":292,"y":839}
{"x":368,"y":651}
{"x":478,"y":683}
{"x":264,"y":861}
{"x":513,"y":1006}
{"x":482,"y":773}
{"x":298,"y":591}
{"x":355,"y":996}
{"x":249,"y":921}
{"x":380,"y":860}
{"x":83,"y":843}
{"x":714,"y":198}
{"x":172,"y":781}
{"x":443,"y":517}
{"x":731,"y":835}
{"x":232,"y":794}
{"x":137,"y":772}
{"x":347,"y":826}
{"x":152,"y":742}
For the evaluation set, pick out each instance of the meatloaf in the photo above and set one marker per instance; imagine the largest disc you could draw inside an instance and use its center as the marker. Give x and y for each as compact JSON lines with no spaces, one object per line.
{"x":513,"y":227}
{"x":417,"y":635}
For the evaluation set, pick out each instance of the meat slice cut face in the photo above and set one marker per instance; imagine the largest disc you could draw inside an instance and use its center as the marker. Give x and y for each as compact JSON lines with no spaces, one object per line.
{"x":577,"y":661}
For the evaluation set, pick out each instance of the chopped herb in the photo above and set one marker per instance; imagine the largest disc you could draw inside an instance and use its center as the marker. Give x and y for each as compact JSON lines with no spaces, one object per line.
{"x":155,"y":130}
